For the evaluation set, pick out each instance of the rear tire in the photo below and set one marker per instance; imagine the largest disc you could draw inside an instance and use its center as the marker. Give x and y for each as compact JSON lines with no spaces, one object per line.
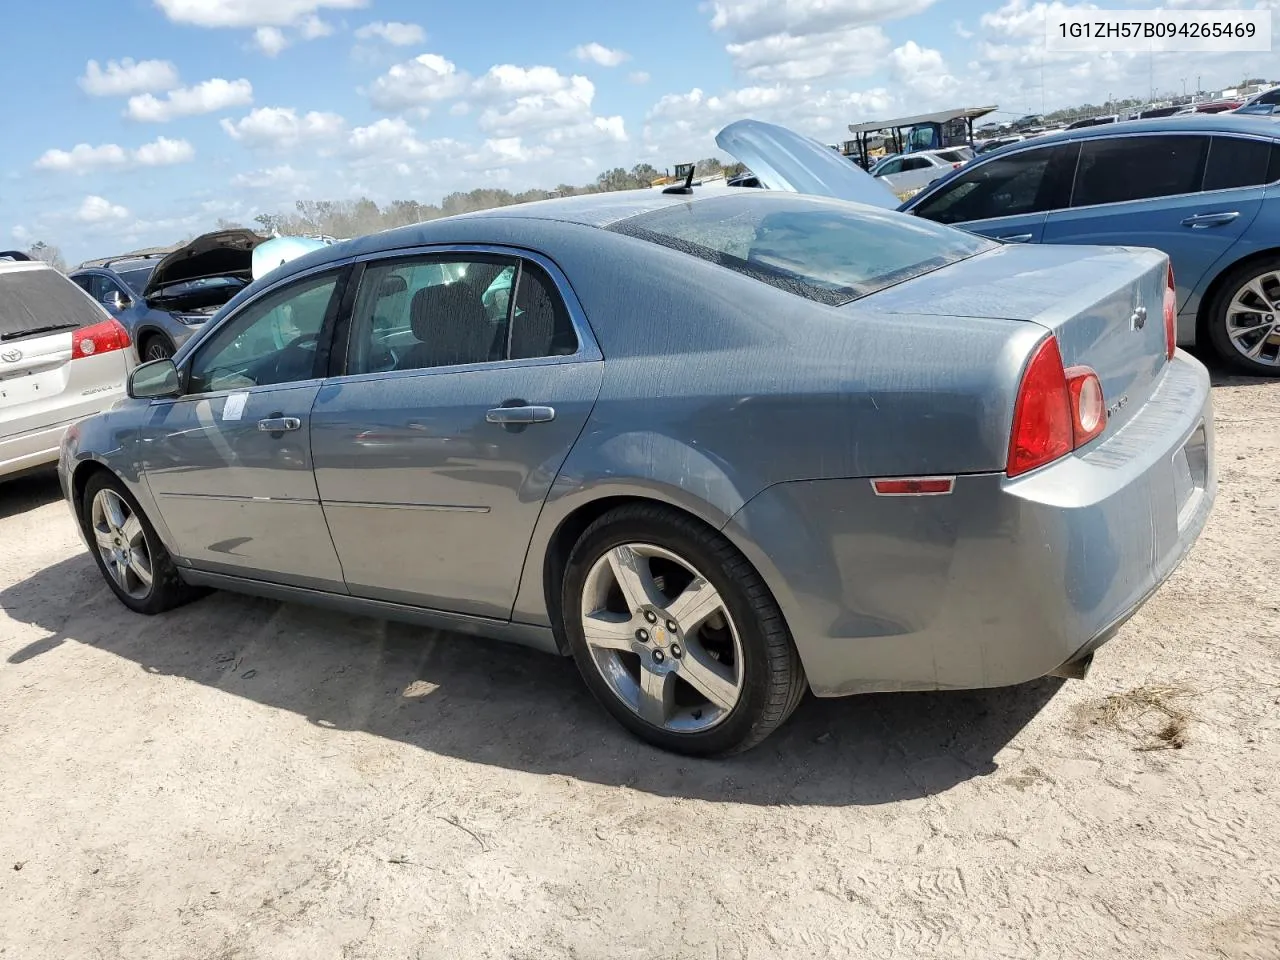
{"x":1244,"y":318}
{"x":127,"y":549}
{"x":155,"y":346}
{"x":724,"y":679}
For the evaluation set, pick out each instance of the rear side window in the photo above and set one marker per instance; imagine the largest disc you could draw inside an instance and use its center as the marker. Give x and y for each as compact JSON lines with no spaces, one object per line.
{"x":823,"y":250}
{"x":34,"y":302}
{"x":1118,"y":169}
{"x":1029,"y":181}
{"x":1236,"y":162}
{"x":540,"y":324}
{"x":955,"y":156}
{"x":915,"y":163}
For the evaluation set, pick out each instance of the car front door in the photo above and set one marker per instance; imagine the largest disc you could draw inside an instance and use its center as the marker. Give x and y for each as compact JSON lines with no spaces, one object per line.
{"x":1180,"y":193}
{"x":1004,"y":197}
{"x":467,"y":380}
{"x":229,"y":461}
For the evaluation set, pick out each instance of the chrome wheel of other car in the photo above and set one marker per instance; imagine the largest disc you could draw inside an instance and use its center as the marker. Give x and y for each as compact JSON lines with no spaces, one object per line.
{"x":662,"y":637}
{"x":1253,"y":319}
{"x":157,"y":348}
{"x":122,"y":543}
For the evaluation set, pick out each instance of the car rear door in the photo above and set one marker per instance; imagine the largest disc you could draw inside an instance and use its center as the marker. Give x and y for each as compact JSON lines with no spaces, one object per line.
{"x":1191,"y":195}
{"x":440,"y":434}
{"x":1007,"y":196}
{"x":229,"y":461}
{"x":42,"y":384}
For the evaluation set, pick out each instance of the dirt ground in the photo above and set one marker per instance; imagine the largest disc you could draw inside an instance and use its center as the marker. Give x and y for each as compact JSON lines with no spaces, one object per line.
{"x":244,"y":779}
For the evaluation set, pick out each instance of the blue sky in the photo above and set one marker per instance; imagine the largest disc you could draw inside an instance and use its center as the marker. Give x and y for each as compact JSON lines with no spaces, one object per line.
{"x":133,"y":122}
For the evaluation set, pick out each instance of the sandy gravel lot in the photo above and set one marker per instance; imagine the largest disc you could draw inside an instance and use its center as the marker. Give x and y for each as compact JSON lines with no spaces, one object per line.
{"x":243,"y":779}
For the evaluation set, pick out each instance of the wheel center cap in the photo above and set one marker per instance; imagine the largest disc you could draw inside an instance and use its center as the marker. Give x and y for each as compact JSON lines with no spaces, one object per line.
{"x":660,"y":636}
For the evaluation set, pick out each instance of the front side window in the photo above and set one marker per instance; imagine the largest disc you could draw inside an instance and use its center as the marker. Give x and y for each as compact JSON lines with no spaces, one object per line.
{"x":915,"y":163}
{"x":1264,"y":105}
{"x":823,"y":250}
{"x":889,"y":167}
{"x":1120,"y":169}
{"x":1029,"y":181}
{"x":271,"y":341}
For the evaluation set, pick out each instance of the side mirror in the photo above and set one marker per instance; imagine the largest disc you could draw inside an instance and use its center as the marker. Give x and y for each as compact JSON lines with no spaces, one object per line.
{"x":157,"y":378}
{"x":115,"y":300}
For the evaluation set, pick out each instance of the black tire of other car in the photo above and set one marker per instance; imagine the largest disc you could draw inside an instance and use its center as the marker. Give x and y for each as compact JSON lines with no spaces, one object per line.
{"x":166,"y":590}
{"x":155,"y":346}
{"x":1237,"y":280}
{"x":772,"y":678}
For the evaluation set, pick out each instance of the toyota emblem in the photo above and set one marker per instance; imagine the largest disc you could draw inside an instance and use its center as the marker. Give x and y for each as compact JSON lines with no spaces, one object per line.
{"x":11,"y":356}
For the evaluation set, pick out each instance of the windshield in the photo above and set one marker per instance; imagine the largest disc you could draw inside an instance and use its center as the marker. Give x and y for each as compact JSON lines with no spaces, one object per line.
{"x":824,"y":250}
{"x":186,"y":287}
{"x":137,"y":277}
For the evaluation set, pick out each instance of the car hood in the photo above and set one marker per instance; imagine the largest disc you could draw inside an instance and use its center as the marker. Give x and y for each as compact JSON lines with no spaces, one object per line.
{"x":224,"y":253}
{"x":784,"y":160}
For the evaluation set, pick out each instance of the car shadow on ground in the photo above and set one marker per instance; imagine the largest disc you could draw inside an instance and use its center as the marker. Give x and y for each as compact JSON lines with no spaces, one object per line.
{"x":497,"y":704}
{"x":28,"y":491}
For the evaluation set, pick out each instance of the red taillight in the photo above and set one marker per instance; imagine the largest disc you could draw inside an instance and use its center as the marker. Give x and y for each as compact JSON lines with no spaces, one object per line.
{"x":1170,"y":317}
{"x":100,"y":338}
{"x":956,"y":166}
{"x":1058,"y":410}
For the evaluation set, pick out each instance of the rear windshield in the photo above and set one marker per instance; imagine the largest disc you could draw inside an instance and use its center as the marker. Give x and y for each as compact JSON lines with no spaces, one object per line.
{"x":39,"y":301}
{"x":824,"y":250}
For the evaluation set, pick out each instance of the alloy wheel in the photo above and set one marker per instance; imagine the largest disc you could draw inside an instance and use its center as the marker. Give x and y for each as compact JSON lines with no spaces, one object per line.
{"x":122,"y":543}
{"x":1253,"y":319}
{"x":662,"y":638}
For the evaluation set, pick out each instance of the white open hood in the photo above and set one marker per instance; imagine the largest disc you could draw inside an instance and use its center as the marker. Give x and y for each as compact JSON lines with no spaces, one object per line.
{"x":784,"y":160}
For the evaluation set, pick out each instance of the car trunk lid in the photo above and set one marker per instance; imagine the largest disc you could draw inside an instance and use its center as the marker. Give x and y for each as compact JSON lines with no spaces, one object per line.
{"x":782,"y":159}
{"x":1105,"y":305}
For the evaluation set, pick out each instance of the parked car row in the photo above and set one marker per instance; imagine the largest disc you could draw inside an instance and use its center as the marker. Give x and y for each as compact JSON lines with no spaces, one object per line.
{"x":721,"y":446}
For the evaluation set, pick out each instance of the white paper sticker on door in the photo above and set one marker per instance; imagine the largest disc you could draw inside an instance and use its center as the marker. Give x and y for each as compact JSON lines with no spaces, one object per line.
{"x":234,"y":407}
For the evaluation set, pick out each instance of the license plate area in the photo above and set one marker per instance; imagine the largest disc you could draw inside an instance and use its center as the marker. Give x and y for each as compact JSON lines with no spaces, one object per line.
{"x":1190,"y":473}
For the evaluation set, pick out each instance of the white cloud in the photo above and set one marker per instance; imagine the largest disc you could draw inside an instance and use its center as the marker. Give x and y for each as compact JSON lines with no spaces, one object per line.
{"x":551,"y":99}
{"x":269,"y":178}
{"x":270,"y":40}
{"x":747,"y":20}
{"x":604,"y":56}
{"x":386,"y":138}
{"x":395,"y":33}
{"x":20,"y":233}
{"x":207,"y":97}
{"x":424,"y":79}
{"x":120,"y":78}
{"x":99,"y":210}
{"x":639,"y":77}
{"x":963,"y":32}
{"x":249,"y":13}
{"x":82,"y":158}
{"x":313,"y":28}
{"x":922,"y":71}
{"x":280,"y":127}
{"x":164,"y":152}
{"x":513,"y":150}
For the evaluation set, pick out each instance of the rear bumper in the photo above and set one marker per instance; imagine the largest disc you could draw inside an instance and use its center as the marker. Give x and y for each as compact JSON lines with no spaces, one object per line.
{"x":1002,"y":581}
{"x":36,"y":448}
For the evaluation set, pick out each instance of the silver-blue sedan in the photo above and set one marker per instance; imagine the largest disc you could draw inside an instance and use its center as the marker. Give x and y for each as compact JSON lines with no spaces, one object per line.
{"x":719,"y":446}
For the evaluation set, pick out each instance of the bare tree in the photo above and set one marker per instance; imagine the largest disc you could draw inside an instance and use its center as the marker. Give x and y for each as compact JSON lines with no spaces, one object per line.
{"x":49,"y":254}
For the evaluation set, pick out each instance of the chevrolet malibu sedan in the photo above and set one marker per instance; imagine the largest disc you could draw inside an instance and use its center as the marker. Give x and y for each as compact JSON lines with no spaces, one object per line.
{"x":721,"y":449}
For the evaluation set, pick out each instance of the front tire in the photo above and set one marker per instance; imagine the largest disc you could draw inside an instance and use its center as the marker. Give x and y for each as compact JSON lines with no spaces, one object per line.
{"x":157,"y":347}
{"x":127,"y":549}
{"x":676,"y":634}
{"x":1244,"y":318}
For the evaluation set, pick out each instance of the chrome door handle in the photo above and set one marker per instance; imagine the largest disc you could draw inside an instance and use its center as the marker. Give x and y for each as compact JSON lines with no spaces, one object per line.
{"x":1016,"y":237}
{"x":1202,"y":220}
{"x":279,"y":424}
{"x":520,"y":415}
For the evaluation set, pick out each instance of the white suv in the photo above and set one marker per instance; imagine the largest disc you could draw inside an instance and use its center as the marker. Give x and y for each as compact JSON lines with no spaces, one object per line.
{"x":62,"y":358}
{"x":905,"y":172}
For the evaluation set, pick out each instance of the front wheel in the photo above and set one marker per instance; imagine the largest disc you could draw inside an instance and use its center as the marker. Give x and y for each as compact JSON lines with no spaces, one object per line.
{"x":129,"y":554}
{"x":156,"y":347}
{"x":1244,"y":318}
{"x":676,"y":634}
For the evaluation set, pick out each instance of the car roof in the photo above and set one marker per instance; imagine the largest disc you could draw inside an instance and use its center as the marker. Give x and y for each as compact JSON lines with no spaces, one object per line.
{"x":1200,"y":123}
